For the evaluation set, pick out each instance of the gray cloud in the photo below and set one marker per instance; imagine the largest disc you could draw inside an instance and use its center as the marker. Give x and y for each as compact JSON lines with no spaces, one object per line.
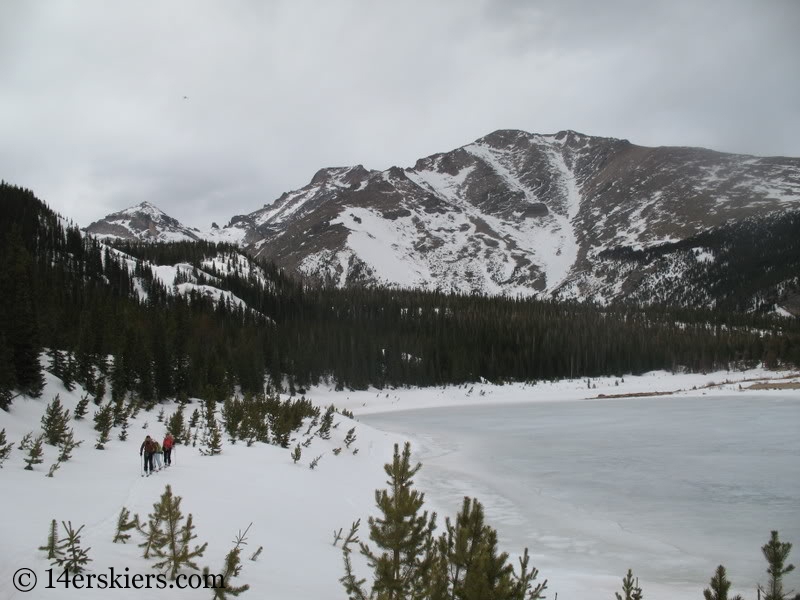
{"x":93,"y":116}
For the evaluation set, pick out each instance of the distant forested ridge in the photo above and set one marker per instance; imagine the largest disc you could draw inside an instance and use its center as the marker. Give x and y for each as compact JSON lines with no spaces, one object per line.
{"x":111,"y":323}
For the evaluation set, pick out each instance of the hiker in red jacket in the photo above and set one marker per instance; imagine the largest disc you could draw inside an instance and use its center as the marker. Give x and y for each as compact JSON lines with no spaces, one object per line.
{"x":169,"y":442}
{"x":148,"y":448}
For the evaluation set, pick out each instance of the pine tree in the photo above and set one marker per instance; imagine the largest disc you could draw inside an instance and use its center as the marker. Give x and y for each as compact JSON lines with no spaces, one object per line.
{"x":23,"y":331}
{"x":55,"y":421}
{"x":173,"y":545}
{"x":296,"y":453}
{"x":212,"y":444}
{"x":51,"y":547}
{"x":68,"y":444}
{"x":8,"y":380}
{"x":56,"y":365}
{"x":123,"y":434}
{"x":82,"y":407}
{"x":719,"y":587}
{"x":103,"y":421}
{"x":176,"y":425}
{"x":467,"y":565}
{"x":70,"y":554}
{"x":350,"y":437}
{"x":124,"y":524}
{"x":152,"y":534}
{"x":776,"y":553}
{"x":35,"y":453}
{"x":233,"y":567}
{"x":25,"y":442}
{"x":5,"y":447}
{"x":68,"y":375}
{"x":232,"y":415}
{"x":53,"y":468}
{"x":402,"y":534}
{"x":630,"y":588}
{"x":325,"y":426}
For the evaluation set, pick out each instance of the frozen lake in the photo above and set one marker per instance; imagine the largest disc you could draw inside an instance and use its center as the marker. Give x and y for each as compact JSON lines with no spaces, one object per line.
{"x":671,"y":487}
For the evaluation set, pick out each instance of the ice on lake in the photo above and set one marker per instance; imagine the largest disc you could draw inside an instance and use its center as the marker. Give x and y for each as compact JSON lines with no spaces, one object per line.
{"x":670,"y":487}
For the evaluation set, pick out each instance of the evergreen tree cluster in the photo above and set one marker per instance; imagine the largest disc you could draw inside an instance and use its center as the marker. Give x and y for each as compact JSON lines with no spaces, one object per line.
{"x":756,"y":264}
{"x":409,"y":561}
{"x":86,"y":301}
{"x":462,"y":563}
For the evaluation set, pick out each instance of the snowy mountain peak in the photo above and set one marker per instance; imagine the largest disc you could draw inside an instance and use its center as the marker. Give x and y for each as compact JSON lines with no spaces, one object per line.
{"x":513,"y":213}
{"x":145,"y":222}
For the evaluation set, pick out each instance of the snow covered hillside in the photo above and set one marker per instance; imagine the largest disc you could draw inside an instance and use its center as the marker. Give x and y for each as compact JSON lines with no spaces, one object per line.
{"x":294,"y":510}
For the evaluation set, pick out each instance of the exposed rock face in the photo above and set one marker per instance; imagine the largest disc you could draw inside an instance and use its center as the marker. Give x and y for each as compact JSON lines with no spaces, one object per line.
{"x":514,"y":213}
{"x":143,"y":222}
{"x":511,"y":213}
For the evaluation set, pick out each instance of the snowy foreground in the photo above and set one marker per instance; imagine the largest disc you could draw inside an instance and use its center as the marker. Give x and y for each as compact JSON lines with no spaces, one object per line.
{"x":294,"y":510}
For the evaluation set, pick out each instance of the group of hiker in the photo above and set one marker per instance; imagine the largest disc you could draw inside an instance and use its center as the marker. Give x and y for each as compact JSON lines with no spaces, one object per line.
{"x":152,"y":452}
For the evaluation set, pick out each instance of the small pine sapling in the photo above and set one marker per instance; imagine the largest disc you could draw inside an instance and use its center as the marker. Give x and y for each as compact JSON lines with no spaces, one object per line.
{"x":355,"y":451}
{"x":336,"y":451}
{"x":123,"y":433}
{"x":25,"y":442}
{"x":315,"y":462}
{"x":68,"y":444}
{"x":103,"y":421}
{"x":176,"y":425}
{"x":51,"y":547}
{"x":35,"y":453}
{"x":173,"y":546}
{"x":630,"y":587}
{"x":5,"y":447}
{"x":124,"y":524}
{"x":212,"y":445}
{"x":307,"y":442}
{"x":160,"y":417}
{"x":326,"y":424}
{"x":53,"y":468}
{"x":233,"y":567}
{"x":296,"y":453}
{"x":350,"y":437}
{"x":719,"y":586}
{"x":776,"y":553}
{"x":194,"y":419}
{"x":54,"y":422}
{"x":152,"y":534}
{"x":70,"y":554}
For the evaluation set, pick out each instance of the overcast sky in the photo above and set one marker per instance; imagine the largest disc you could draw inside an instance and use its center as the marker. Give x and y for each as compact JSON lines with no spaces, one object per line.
{"x":210,"y":109}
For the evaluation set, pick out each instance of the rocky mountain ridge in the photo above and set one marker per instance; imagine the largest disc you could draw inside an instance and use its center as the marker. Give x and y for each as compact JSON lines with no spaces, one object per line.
{"x":511,"y":213}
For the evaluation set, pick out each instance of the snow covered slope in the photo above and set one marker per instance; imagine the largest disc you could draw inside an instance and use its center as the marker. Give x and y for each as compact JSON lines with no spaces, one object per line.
{"x":294,"y":510}
{"x":512,"y":213}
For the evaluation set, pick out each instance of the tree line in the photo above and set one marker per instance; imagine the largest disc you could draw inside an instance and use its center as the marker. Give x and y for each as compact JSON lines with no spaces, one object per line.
{"x":111,"y":324}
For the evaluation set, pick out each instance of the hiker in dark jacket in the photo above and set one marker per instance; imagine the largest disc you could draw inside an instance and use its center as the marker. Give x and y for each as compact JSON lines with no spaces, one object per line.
{"x":148,"y":448}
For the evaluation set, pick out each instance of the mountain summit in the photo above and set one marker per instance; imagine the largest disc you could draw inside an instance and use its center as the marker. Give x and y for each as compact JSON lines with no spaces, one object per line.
{"x":145,"y":221}
{"x":514,"y":213}
{"x":565,"y":215}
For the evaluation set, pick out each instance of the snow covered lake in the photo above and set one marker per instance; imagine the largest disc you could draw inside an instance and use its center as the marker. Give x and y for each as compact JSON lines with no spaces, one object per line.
{"x":670,"y":487}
